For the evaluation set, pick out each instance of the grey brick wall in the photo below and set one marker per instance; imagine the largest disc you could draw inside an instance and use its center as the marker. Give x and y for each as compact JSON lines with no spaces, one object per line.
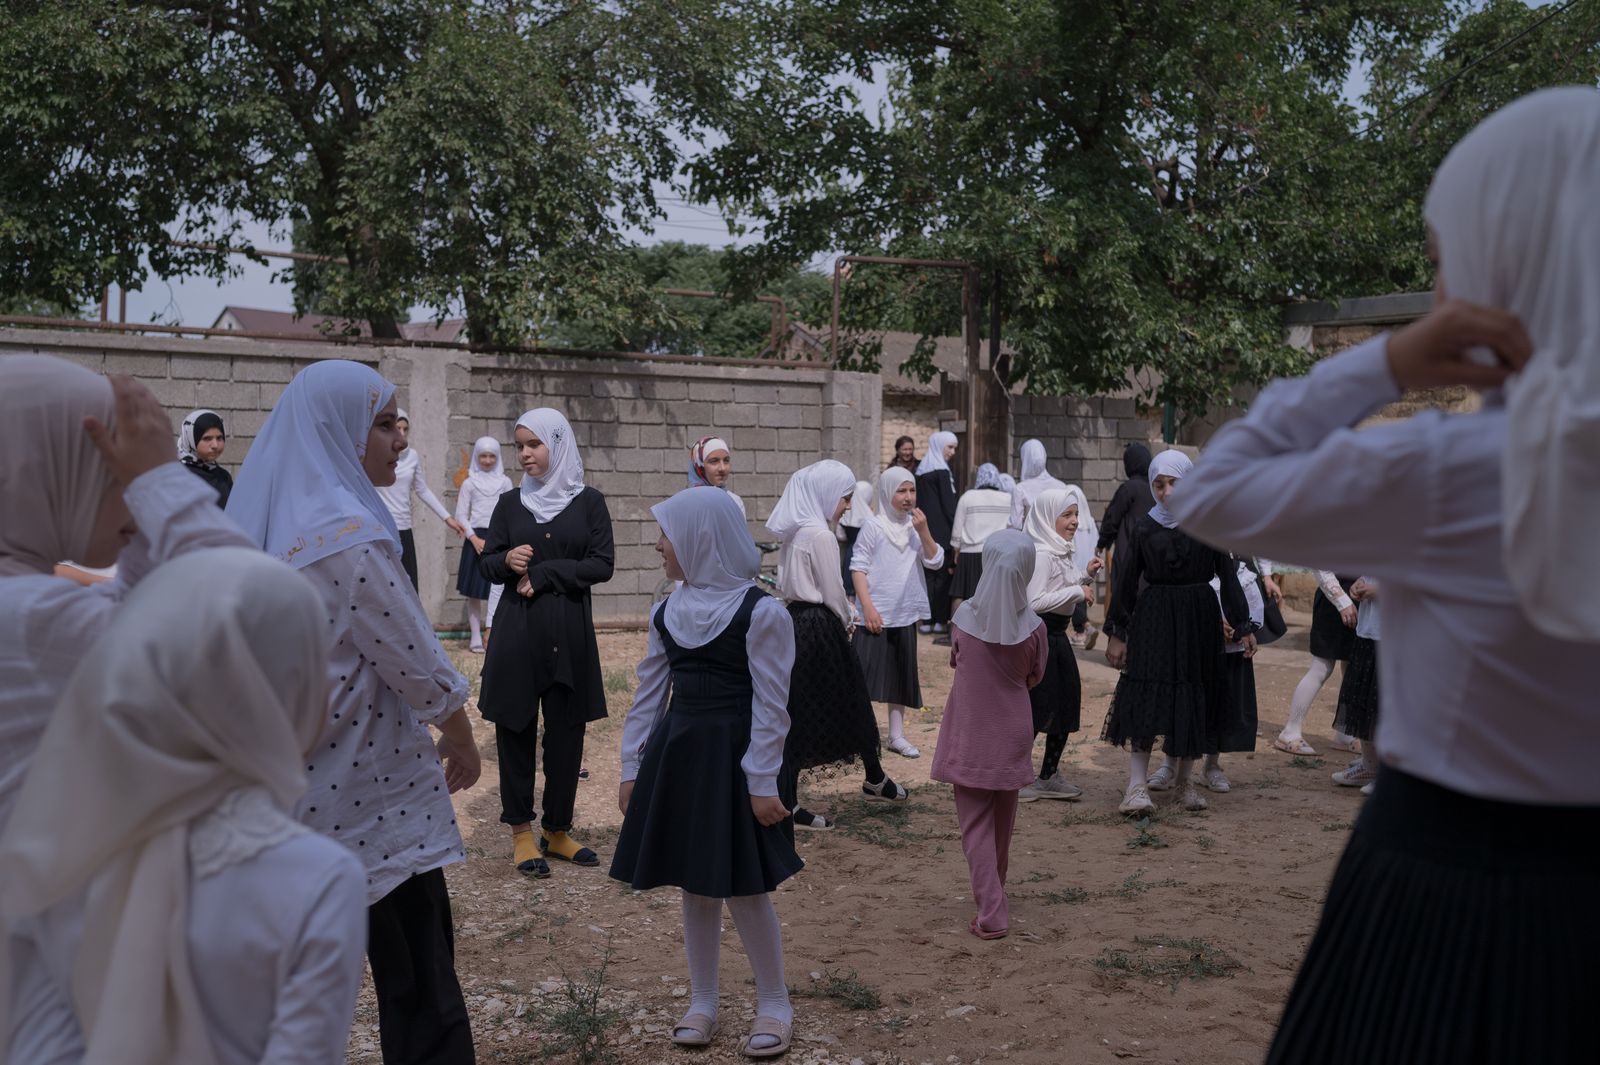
{"x":1084,"y":438}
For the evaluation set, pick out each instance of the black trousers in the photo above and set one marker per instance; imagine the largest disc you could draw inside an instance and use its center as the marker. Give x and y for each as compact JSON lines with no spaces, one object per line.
{"x":408,"y":556}
{"x":564,"y":728}
{"x":422,"y":1018}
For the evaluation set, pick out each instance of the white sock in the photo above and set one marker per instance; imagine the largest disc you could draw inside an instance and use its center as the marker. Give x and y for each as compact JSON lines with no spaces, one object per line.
{"x":762,"y":936}
{"x":702,"y":943}
{"x":1316,"y":676}
{"x":475,"y":620}
{"x":897,"y":722}
{"x":1138,"y":769}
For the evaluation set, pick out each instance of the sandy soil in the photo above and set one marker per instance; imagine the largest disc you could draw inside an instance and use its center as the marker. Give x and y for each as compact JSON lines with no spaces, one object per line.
{"x":876,"y":926}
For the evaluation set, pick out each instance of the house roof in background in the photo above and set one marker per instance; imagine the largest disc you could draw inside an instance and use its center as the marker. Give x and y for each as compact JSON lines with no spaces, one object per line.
{"x":260,"y":320}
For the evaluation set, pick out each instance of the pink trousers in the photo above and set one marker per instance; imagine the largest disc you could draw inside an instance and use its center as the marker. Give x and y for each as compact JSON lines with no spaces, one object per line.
{"x":987,"y":818}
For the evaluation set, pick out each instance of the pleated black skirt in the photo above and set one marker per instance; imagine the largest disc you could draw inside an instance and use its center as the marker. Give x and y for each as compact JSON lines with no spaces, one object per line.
{"x":1330,"y":636}
{"x":470,"y":581}
{"x":889,"y":664}
{"x":689,"y":823}
{"x":1358,"y":693}
{"x":1058,"y":698}
{"x":830,"y":713}
{"x":1455,"y":932}
{"x":969,"y":567}
{"x":1237,"y":731}
{"x":1169,"y":689}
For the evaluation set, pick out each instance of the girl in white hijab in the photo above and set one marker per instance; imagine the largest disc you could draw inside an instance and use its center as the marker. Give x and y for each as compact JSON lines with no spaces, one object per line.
{"x":1481,"y":529}
{"x":891,"y":554}
{"x":830,"y":713}
{"x":1035,"y":478}
{"x":998,"y":650}
{"x":701,"y":751}
{"x":711,"y":463}
{"x":482,"y":488}
{"x":193,"y":918}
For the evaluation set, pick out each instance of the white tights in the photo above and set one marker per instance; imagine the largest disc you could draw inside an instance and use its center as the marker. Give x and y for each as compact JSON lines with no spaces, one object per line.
{"x":757,"y":923}
{"x":897,"y":722}
{"x":1304,"y":692}
{"x":475,"y":620}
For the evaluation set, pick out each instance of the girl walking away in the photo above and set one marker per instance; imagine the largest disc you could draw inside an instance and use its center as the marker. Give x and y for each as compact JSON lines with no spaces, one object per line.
{"x":1358,"y":694}
{"x":711,"y":463}
{"x":982,"y":510}
{"x":485,"y":483}
{"x":1333,"y":624}
{"x":548,"y":544}
{"x":378,"y":783}
{"x":193,"y":919}
{"x":891,"y":553}
{"x":998,"y":649}
{"x":1059,"y":585}
{"x":701,"y":750}
{"x":850,"y":525}
{"x":1458,"y":881}
{"x":1166,"y":639}
{"x":936,"y":499}
{"x":1130,"y":502}
{"x":201,"y":441}
{"x":830,"y":714}
{"x":408,"y":481}
{"x":1035,"y":480}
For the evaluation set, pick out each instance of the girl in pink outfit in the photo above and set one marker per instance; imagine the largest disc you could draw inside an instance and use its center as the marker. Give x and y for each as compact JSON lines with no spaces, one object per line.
{"x":998,"y":649}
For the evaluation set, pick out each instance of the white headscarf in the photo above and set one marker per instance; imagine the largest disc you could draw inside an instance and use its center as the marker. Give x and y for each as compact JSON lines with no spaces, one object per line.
{"x":548,"y":496}
{"x":1008,"y":484}
{"x":185,"y":699}
{"x":933,"y":459}
{"x":1033,"y":460}
{"x":719,"y":559}
{"x":1036,"y":480}
{"x":1170,"y":463}
{"x":487,"y":482}
{"x":860,"y":511}
{"x":302,"y":493}
{"x":896,"y":525}
{"x":1518,"y":228}
{"x":52,"y":477}
{"x":1040,"y":524}
{"x":998,"y":611}
{"x":187,"y":438}
{"x":810,"y":497}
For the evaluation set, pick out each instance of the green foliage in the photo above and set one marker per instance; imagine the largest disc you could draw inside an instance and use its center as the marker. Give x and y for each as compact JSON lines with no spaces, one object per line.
{"x":1169,"y":960}
{"x":580,"y":1024}
{"x":847,"y":989}
{"x":1143,"y":836}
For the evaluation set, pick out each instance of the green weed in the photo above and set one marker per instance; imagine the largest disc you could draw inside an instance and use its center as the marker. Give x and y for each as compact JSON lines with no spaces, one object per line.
{"x":1169,"y":960}
{"x":581,"y":1023}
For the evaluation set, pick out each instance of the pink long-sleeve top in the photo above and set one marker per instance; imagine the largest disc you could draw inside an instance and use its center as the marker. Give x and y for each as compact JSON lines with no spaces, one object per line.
{"x":986,"y":738}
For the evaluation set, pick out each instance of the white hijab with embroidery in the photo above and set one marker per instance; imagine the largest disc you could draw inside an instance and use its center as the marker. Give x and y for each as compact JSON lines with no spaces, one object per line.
{"x":720,"y":561}
{"x":547,"y":496}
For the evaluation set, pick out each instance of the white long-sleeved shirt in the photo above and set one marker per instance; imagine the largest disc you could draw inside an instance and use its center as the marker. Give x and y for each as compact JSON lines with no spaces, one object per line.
{"x":1056,"y":586}
{"x":808,"y":571}
{"x":474,"y":507}
{"x":48,"y":623}
{"x":769,"y":645}
{"x":895,"y":581}
{"x":1328,"y":581}
{"x":1252,"y":597}
{"x":376,"y":784}
{"x":980,"y":512}
{"x":408,"y":481}
{"x":1475,"y":697}
{"x":276,"y":944}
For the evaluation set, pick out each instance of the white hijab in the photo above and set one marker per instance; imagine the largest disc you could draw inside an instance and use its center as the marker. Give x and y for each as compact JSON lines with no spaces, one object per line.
{"x":186,"y":699}
{"x":860,"y":511}
{"x":548,"y":496}
{"x":933,"y":459}
{"x":719,"y":559}
{"x":1040,"y":525}
{"x":1518,"y":227}
{"x":487,"y":482}
{"x":51,"y":475}
{"x":1033,"y":460}
{"x":810,"y":498}
{"x":895,"y":524}
{"x":302,"y":493}
{"x":1036,"y":479}
{"x":998,"y":611}
{"x":1170,"y":463}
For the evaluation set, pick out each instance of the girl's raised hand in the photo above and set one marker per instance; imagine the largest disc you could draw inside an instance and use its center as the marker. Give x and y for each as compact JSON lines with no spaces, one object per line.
{"x":769,"y":809}
{"x":142,"y":439}
{"x":1095,"y":566}
{"x":919,"y":520}
{"x":624,"y":796}
{"x":518,"y":558}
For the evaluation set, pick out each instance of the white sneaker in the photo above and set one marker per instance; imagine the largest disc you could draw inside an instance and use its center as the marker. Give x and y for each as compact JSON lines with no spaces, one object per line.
{"x":1161,"y":779}
{"x":1355,"y":775}
{"x":1136,"y":801}
{"x":904,"y":748}
{"x":1055,"y":786}
{"x":1029,"y":792}
{"x":1192,"y":799}
{"x":1216,"y":780}
{"x":1091,"y":636}
{"x":1366,"y":789}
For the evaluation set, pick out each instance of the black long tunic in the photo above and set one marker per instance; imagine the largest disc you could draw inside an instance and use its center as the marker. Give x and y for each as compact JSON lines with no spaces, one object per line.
{"x":549,"y":639}
{"x":936,"y":498}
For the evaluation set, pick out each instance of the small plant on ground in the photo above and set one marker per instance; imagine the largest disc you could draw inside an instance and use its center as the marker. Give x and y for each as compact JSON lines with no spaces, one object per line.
{"x":847,"y":989}
{"x":1204,"y":842}
{"x":1142,"y":836}
{"x":1338,"y":826}
{"x":1170,"y":960}
{"x":1069,"y":896}
{"x":1299,"y":762}
{"x":581,"y":1023}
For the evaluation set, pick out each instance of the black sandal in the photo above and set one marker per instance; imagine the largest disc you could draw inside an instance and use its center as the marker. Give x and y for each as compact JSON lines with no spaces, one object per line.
{"x":535,"y":869}
{"x":885,"y":790}
{"x":585,"y":857}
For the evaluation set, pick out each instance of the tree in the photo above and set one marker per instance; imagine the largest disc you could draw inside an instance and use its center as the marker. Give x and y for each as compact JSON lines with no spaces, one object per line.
{"x":1143,"y":185}
{"x":476,"y":155}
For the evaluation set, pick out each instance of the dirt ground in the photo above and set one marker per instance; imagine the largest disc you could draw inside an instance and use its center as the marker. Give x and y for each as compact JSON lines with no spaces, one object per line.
{"x":1176,"y":942}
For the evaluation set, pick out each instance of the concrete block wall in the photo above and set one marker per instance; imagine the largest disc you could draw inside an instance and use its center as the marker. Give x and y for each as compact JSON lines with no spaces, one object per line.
{"x":1084,"y":438}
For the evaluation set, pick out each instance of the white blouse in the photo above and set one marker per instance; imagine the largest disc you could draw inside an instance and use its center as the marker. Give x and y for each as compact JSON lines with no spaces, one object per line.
{"x":1252,"y":597}
{"x":1056,"y":586}
{"x":898,"y":589}
{"x":474,"y":507}
{"x":277,"y":946}
{"x":47,"y":623}
{"x":408,"y":480}
{"x":769,"y":645}
{"x":1328,"y":581}
{"x":980,"y":512}
{"x":808,"y":571}
{"x":1475,"y":698}
{"x":376,"y":782}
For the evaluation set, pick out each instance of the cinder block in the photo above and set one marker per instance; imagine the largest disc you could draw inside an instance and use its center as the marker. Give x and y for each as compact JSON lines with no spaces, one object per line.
{"x":145,"y":367}
{"x":714,"y":391}
{"x":808,"y":441}
{"x":203,"y":367}
{"x":735,"y":415}
{"x":751,"y":439}
{"x":664,"y":389}
{"x":619,"y":387}
{"x":234,"y":395}
{"x":777,"y":416}
{"x":89,"y":360}
{"x":609,"y":434}
{"x":172,"y":393}
{"x":278,"y":371}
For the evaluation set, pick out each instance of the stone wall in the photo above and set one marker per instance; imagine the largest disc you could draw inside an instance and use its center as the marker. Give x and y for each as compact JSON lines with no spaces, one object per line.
{"x":905,"y":414}
{"x":634,"y":421}
{"x":1084,"y":438}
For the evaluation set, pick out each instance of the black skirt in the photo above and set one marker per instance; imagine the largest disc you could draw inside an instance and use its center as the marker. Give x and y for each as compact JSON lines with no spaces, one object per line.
{"x":1455,"y":931}
{"x":889,"y":664}
{"x":1330,"y":636}
{"x":1358,"y":693}
{"x":470,"y":581}
{"x":1170,"y":686}
{"x":1238,"y":705}
{"x":689,"y":822}
{"x":830,"y":713}
{"x":1058,"y":698}
{"x":969,"y":567}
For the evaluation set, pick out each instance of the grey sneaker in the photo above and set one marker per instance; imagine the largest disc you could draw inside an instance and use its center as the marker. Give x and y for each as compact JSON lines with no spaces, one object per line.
{"x":1091,"y":636}
{"x":1029,"y":792}
{"x":1055,"y":786}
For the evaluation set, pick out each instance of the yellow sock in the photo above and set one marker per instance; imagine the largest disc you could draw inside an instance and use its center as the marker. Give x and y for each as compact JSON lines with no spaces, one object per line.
{"x":561,"y":845}
{"x":524,"y":849}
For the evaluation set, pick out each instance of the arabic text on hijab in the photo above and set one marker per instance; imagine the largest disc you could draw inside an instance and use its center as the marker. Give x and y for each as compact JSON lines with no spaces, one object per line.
{"x":1169,"y":463}
{"x":719,"y":560}
{"x":547,"y":496}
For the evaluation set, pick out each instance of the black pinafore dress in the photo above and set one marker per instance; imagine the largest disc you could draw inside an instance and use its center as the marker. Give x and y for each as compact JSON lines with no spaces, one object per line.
{"x":689,"y":822}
